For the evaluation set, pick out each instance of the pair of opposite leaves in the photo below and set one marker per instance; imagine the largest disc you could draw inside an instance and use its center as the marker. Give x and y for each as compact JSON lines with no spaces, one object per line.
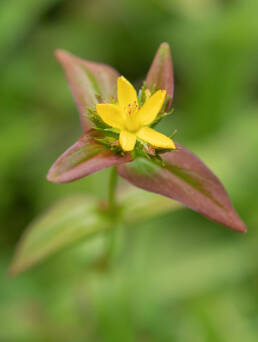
{"x":183,"y":177}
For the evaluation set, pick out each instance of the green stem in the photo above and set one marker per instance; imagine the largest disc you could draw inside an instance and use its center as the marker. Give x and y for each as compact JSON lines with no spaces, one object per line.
{"x":112,"y":189}
{"x":112,"y":206}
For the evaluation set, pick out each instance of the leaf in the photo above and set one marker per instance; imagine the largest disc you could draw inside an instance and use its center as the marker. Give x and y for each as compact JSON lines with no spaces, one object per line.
{"x":82,"y":159}
{"x":160,"y":74}
{"x":88,"y":82}
{"x":68,"y":222}
{"x":73,"y":219}
{"x":186,"y":179}
{"x":140,"y":205}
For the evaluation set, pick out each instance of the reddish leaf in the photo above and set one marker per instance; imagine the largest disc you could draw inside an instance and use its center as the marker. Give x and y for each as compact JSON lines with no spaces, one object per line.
{"x":160,"y":73}
{"x":86,"y":80}
{"x":82,"y":159}
{"x":186,"y":179}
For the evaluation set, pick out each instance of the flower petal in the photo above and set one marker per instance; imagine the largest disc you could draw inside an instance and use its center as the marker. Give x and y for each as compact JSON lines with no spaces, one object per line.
{"x":151,"y":108}
{"x":86,"y":80}
{"x":82,"y":159}
{"x":155,"y":138}
{"x":126,"y":93}
{"x":111,"y":114}
{"x":127,"y":140}
{"x":160,"y":73}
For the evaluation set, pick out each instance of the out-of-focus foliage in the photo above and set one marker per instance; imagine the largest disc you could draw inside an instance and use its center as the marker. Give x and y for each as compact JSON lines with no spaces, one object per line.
{"x":77,"y":218}
{"x":176,"y":278}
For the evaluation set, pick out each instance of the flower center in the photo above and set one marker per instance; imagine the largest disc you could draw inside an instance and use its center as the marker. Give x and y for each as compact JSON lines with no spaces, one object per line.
{"x":132,"y":122}
{"x":132,"y":108}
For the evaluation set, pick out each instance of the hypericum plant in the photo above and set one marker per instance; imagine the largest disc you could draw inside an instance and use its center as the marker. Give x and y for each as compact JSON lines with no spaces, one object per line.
{"x":119,"y":131}
{"x":117,"y":122}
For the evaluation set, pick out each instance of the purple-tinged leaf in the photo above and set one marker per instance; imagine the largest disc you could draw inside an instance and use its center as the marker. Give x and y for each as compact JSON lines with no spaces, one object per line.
{"x":82,"y":159}
{"x":88,"y":82}
{"x":160,"y":74}
{"x":186,"y":179}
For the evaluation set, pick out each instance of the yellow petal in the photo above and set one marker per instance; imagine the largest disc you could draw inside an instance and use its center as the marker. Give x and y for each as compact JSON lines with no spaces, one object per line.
{"x":151,"y":108}
{"x":155,"y":138}
{"x":126,"y":93}
{"x":127,"y":140}
{"x":111,"y":114}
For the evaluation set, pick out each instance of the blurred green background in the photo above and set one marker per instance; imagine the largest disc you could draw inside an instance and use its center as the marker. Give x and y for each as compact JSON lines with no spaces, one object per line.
{"x":180,"y":277}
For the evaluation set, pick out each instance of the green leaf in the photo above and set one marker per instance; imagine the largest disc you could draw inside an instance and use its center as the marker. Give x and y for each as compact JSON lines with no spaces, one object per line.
{"x":76,"y":218}
{"x":140,"y":205}
{"x":69,"y":221}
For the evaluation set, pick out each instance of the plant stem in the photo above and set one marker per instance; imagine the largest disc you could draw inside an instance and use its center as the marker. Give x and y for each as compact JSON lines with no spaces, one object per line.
{"x":112,"y":207}
{"x":112,"y":189}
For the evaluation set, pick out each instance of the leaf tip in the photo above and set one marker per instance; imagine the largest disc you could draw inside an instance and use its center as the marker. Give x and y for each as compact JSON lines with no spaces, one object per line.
{"x":240,"y":227}
{"x":52,"y":175}
{"x":164,"y":49}
{"x":12,"y":272}
{"x":60,"y":54}
{"x":15,"y":267}
{"x":160,"y":74}
{"x":53,"y":178}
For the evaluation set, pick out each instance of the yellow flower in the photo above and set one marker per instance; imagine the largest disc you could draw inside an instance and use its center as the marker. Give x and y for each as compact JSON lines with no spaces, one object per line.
{"x":131,"y":120}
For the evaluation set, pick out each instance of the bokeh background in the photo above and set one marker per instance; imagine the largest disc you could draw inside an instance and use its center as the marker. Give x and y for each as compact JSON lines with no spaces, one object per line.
{"x":180,"y":277}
